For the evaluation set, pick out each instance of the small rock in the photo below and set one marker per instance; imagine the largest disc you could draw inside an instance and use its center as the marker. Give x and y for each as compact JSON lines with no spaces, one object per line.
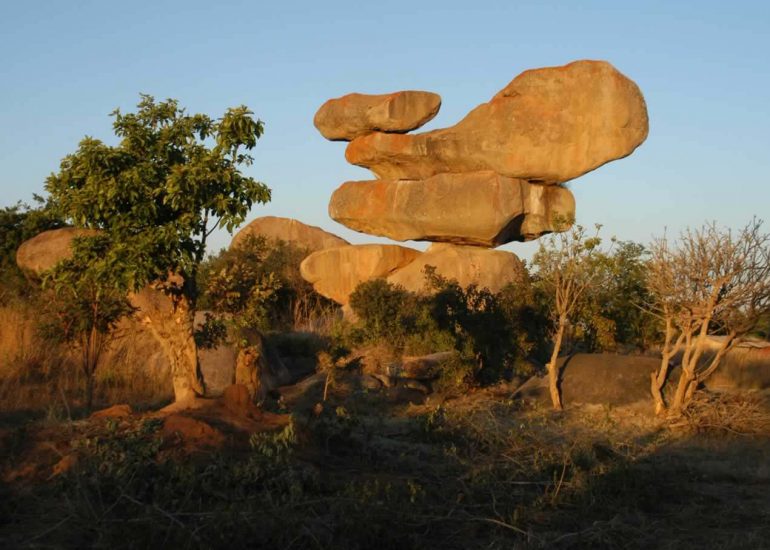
{"x":371,"y":382}
{"x":238,"y":401}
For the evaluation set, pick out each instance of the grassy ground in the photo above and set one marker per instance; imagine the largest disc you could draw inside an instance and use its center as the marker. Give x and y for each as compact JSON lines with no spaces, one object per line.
{"x":370,"y":470}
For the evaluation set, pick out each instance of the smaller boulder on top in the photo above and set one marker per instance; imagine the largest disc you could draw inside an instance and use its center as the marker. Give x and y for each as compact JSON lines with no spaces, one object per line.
{"x":348,"y":117}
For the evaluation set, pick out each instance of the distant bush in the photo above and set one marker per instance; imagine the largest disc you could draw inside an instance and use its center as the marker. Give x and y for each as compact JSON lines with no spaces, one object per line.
{"x":257,"y":286}
{"x":494,"y":333}
{"x":611,"y":316}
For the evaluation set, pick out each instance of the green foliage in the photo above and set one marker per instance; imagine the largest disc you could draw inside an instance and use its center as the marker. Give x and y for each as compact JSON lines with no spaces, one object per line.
{"x":762,"y":330}
{"x":494,"y":333}
{"x":83,"y":307}
{"x":604,"y":290}
{"x":386,"y":311}
{"x":617,"y":306}
{"x":257,"y":286}
{"x":211,"y":333}
{"x":496,"y":329}
{"x":159,"y":193}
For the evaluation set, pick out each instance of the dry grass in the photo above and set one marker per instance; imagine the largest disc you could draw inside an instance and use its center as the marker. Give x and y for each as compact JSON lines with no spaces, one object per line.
{"x":744,"y":413}
{"x":38,"y":376}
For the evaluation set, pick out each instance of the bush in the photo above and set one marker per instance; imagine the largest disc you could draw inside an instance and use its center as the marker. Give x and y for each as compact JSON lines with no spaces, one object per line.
{"x":494,"y":333}
{"x":258,"y":286}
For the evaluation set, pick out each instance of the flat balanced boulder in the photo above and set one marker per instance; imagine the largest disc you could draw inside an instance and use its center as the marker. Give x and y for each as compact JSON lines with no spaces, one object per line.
{"x":474,"y":208}
{"x":353,"y":115}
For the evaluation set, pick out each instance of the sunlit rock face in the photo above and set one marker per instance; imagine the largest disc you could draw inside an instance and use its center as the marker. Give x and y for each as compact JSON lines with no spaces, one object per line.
{"x":336,"y":272}
{"x":473,"y":208}
{"x":354,"y":115}
{"x":494,"y":177}
{"x":468,"y":265}
{"x":308,"y":237}
{"x":547,"y":126}
{"x":43,"y":251}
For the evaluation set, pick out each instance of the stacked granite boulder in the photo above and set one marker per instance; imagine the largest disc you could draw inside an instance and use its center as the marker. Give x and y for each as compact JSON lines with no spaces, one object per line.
{"x":495,"y":177}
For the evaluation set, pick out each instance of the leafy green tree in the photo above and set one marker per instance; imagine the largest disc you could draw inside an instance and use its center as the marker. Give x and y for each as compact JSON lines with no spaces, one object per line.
{"x":492,"y":332}
{"x":385,"y":310}
{"x":156,"y":197}
{"x":613,"y":313}
{"x":482,"y":322}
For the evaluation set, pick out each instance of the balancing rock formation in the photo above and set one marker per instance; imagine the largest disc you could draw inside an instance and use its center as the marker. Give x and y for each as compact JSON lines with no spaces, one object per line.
{"x":493,"y":178}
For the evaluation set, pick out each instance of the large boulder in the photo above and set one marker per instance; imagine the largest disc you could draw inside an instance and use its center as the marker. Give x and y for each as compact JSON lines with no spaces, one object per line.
{"x":473,"y":208}
{"x":599,"y":378}
{"x":547,"y":126}
{"x":45,"y":250}
{"x":468,"y":265}
{"x":336,"y":272}
{"x":353,"y":115}
{"x":292,"y":231}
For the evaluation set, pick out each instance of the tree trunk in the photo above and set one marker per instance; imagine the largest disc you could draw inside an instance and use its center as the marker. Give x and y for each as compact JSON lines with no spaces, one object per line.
{"x":248,"y":372}
{"x":89,"y":392}
{"x":553,"y":369}
{"x":187,"y":378}
{"x":680,"y":398}
{"x":670,"y":349}
{"x":172,"y":322}
{"x":657,"y":394}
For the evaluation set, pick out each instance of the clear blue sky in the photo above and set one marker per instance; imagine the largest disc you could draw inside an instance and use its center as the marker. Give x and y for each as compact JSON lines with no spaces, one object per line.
{"x":703,"y":66}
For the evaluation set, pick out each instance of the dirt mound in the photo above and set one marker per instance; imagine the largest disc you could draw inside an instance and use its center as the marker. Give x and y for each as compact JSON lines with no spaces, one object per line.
{"x":598,"y":378}
{"x":190,"y":433}
{"x":116,"y":411}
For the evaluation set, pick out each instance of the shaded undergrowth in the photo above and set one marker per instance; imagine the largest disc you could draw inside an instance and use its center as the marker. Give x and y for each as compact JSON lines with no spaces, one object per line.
{"x":481,"y":471}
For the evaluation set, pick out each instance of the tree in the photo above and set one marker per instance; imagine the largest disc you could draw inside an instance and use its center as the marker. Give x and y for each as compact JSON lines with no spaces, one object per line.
{"x":566,"y":273}
{"x":84,"y":307}
{"x":712,"y":282}
{"x":614,"y":315}
{"x":156,"y":197}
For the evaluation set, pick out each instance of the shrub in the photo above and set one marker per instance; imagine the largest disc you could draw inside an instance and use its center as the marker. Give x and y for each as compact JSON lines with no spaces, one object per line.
{"x":258,"y":286}
{"x":493,"y":332}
